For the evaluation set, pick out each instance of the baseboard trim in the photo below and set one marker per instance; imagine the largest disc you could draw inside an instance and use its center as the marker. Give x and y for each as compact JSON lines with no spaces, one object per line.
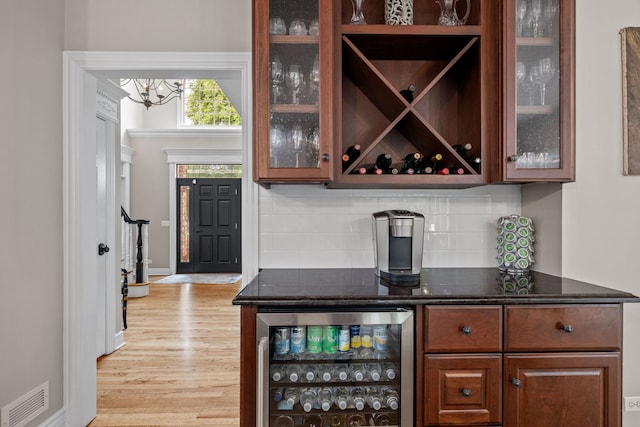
{"x":119,"y":340}
{"x":159,"y":271}
{"x":56,"y":420}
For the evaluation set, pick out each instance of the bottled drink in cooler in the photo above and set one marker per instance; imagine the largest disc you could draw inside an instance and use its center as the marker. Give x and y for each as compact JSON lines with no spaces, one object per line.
{"x":308,"y":398}
{"x":374,"y":400}
{"x":291,"y":396}
{"x":374,"y":371}
{"x":342,"y":372}
{"x":293,"y":373}
{"x":356,"y":420}
{"x":389,"y":371}
{"x":390,"y":397}
{"x":309,"y":372}
{"x":358,"y":372}
{"x":341,"y":397}
{"x":277,"y":373}
{"x":334,"y":420}
{"x":358,"y":397}
{"x":326,"y":372}
{"x":278,"y":394}
{"x":313,"y":420}
{"x":383,"y":420}
{"x":283,"y":421}
{"x":325,"y":398}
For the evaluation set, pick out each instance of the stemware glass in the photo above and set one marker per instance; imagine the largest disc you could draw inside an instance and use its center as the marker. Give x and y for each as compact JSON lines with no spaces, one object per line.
{"x":298,"y":140}
{"x":521,"y":12}
{"x":277,"y":26}
{"x":521,"y":73}
{"x":314,"y":82}
{"x":314,"y":28}
{"x":529,"y":84}
{"x":550,"y":14}
{"x":297,"y":28}
{"x":536,"y":12}
{"x":277,"y":79}
{"x":357,"y":17}
{"x":277,"y":138}
{"x":294,"y":82}
{"x":545,"y":71}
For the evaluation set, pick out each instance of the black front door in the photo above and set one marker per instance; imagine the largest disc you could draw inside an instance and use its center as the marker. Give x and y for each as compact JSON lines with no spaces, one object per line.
{"x":209,"y":225}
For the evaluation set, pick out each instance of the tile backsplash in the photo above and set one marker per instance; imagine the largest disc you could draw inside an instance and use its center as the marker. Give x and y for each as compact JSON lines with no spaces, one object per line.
{"x":307,"y":226}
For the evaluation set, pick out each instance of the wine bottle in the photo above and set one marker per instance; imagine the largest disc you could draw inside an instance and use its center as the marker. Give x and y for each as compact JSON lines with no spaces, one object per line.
{"x":359,"y":171}
{"x":411,"y":160}
{"x":350,"y":155}
{"x":408,"y":93}
{"x":462,"y":149}
{"x":391,"y":171}
{"x":375,"y":170}
{"x":383,"y":161}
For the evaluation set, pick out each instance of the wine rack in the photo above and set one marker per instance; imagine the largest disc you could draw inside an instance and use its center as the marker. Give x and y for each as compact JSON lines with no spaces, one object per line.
{"x":450,"y":69}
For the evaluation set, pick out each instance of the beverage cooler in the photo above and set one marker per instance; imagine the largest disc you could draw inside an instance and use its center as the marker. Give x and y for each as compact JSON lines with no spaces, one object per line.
{"x":335,"y":369}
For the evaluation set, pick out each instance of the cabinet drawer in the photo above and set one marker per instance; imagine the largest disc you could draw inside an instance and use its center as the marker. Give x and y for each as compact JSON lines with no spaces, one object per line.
{"x":563,"y":327}
{"x":463,"y":389}
{"x":453,"y":329}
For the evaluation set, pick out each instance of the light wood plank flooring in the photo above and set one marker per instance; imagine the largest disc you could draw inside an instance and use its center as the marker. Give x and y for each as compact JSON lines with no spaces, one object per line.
{"x":180,"y":363}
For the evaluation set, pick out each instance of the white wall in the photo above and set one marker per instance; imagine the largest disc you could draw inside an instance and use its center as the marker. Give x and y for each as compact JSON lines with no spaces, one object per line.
{"x":601,"y":209}
{"x":309,"y":226}
{"x":31,"y":291}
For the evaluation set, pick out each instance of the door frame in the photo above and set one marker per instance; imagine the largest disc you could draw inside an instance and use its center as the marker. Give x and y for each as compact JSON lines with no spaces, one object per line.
{"x":80,"y":70}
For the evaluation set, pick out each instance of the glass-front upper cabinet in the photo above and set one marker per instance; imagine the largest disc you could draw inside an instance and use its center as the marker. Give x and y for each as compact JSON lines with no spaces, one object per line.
{"x":539,"y":91}
{"x":292,"y":48}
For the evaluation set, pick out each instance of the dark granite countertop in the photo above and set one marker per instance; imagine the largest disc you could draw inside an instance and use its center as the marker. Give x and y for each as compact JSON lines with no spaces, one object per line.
{"x":361,"y":287}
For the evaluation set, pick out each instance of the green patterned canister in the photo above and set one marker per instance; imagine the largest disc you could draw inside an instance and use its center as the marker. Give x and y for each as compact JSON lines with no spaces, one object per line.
{"x":515,"y":238}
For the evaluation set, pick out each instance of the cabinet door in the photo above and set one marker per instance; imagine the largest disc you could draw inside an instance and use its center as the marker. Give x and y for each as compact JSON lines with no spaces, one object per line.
{"x":539,"y":91}
{"x":562,"y":389}
{"x":293,"y":57}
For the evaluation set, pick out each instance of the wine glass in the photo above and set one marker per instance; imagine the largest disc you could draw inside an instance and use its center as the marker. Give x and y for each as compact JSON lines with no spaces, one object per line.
{"x":277,"y":138}
{"x":521,"y":73}
{"x":314,"y":28}
{"x":521,"y":12}
{"x":294,"y":81}
{"x":298,"y":140}
{"x":550,"y":14}
{"x":536,"y":13}
{"x":545,"y":71}
{"x":529,"y":84}
{"x":277,"y":79}
{"x":314,"y":82}
{"x":357,"y":17}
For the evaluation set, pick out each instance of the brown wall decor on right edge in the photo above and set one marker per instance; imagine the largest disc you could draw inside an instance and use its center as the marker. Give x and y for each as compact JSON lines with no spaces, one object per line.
{"x":631,"y":99}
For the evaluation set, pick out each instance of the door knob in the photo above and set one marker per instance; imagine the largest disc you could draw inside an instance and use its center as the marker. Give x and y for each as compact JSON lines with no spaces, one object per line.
{"x":102,"y":249}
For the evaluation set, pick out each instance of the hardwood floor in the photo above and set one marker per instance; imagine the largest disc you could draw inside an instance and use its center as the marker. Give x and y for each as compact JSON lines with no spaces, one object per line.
{"x":180,"y":364}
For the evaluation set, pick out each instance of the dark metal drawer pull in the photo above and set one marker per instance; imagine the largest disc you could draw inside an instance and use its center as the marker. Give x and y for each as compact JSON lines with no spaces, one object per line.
{"x":465,"y":329}
{"x":567,"y":328}
{"x":515,"y":382}
{"x":466,"y":392}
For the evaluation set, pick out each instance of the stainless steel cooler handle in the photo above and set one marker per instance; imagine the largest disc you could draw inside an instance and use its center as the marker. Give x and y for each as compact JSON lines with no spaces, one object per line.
{"x":263,"y":355}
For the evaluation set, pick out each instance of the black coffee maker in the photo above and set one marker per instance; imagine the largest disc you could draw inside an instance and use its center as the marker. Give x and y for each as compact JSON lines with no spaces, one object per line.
{"x":397,"y":244}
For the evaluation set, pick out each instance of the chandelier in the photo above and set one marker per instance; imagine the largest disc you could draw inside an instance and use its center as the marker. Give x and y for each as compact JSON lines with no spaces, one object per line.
{"x":154,"y":92}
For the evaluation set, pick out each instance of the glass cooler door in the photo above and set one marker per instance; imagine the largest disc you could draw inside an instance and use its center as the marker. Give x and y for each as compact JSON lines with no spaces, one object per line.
{"x":335,"y":369}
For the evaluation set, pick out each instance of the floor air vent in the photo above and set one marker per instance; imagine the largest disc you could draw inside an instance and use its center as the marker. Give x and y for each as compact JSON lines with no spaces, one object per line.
{"x":26,"y":408}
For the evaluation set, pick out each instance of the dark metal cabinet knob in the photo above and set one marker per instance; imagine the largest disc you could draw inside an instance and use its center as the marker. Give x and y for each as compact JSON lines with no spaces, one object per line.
{"x":567,"y":328}
{"x":515,"y":382}
{"x":465,"y":329}
{"x":325,"y":157}
{"x":102,"y":249}
{"x":466,"y":392}
{"x":512,"y":158}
